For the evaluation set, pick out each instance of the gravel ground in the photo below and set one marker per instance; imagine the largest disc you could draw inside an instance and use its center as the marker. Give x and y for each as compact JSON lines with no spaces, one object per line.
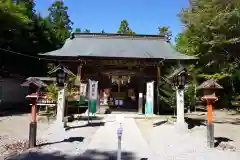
{"x":164,"y":139}
{"x":14,"y":133}
{"x":50,"y":137}
{"x":226,"y":127}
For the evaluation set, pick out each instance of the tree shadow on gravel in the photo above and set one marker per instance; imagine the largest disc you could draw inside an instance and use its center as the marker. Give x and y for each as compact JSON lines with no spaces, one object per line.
{"x":14,"y":109}
{"x":87,"y":155}
{"x":201,"y":121}
{"x":194,"y":122}
{"x":230,"y":121}
{"x":219,"y":140}
{"x":70,"y":140}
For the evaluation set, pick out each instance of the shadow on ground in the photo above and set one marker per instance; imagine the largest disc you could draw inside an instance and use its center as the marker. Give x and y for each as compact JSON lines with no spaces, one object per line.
{"x":14,"y":109}
{"x":159,"y":123}
{"x":91,"y":124}
{"x":232,"y":121}
{"x":85,"y":118}
{"x":87,"y":155}
{"x":70,"y":140}
{"x":219,"y":140}
{"x":192,"y":122}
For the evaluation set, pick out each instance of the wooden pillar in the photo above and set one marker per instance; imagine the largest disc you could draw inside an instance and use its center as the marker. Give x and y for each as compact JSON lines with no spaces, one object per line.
{"x":141,"y":85}
{"x":99,"y":88}
{"x":33,"y":124}
{"x":80,"y":76}
{"x":119,"y":85}
{"x":158,"y":85}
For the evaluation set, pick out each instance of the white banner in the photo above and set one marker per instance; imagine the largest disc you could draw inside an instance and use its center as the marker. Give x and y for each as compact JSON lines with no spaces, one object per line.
{"x":83,"y":89}
{"x":149,"y":98}
{"x":93,"y":89}
{"x":150,"y":93}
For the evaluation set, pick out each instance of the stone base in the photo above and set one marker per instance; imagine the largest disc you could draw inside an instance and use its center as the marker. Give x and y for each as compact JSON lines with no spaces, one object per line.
{"x":181,"y":127}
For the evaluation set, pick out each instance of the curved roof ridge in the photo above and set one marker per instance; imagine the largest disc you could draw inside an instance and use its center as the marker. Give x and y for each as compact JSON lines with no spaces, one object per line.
{"x":117,"y":46}
{"x":115,"y":35}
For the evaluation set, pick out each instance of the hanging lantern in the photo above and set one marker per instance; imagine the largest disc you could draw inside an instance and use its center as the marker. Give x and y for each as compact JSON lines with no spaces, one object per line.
{"x":179,"y":78}
{"x":61,"y":74}
{"x":61,"y":77}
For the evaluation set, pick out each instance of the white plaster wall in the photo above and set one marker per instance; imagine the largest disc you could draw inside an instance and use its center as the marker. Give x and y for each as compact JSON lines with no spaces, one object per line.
{"x":11,"y":91}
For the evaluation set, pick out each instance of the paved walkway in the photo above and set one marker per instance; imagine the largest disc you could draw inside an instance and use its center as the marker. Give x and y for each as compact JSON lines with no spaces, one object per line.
{"x":133,"y":143}
{"x":100,"y":143}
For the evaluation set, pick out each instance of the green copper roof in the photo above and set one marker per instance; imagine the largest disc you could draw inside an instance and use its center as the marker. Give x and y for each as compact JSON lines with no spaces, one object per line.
{"x":117,"y":46}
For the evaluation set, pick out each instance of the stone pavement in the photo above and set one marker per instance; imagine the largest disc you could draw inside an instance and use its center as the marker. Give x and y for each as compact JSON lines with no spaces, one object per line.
{"x":105,"y":138}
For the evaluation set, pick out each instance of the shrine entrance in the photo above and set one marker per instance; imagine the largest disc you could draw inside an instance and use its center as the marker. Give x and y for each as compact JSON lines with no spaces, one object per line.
{"x":122,"y":89}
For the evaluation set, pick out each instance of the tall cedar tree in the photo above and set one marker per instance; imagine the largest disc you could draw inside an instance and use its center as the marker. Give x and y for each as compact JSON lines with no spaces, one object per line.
{"x":165,"y":31}
{"x":60,"y":21}
{"x":124,"y":28}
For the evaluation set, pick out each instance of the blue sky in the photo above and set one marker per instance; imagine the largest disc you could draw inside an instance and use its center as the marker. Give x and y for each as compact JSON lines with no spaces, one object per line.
{"x":144,"y":16}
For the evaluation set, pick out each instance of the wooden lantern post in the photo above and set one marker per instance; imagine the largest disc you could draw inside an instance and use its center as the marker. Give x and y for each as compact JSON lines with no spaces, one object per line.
{"x":34,"y":85}
{"x":33,"y":124}
{"x":209,"y":97}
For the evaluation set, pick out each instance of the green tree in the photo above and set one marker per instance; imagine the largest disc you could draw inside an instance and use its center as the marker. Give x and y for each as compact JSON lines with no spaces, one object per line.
{"x":86,"y":31}
{"x":78,"y":30}
{"x":29,"y":5}
{"x":102,"y":31}
{"x":23,"y":33}
{"x":60,"y":20}
{"x":124,"y":28}
{"x":212,"y":34}
{"x":165,"y":31}
{"x":11,"y":16}
{"x":212,"y":30}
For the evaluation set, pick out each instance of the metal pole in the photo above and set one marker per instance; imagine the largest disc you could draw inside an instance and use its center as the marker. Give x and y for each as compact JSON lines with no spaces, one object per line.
{"x":210,"y":128}
{"x":119,"y":148}
{"x":33,"y":126}
{"x":119,"y":134}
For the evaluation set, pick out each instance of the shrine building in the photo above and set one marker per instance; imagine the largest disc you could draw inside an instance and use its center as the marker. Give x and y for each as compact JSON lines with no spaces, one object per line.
{"x":121,"y":63}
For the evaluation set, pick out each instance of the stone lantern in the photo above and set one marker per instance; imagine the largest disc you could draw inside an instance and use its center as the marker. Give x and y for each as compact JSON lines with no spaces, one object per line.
{"x":62,"y":74}
{"x":179,"y":81}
